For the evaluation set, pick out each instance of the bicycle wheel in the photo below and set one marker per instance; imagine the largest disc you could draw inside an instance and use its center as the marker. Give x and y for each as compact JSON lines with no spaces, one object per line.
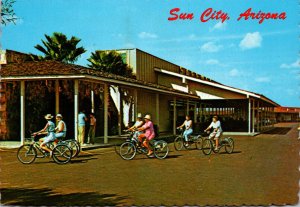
{"x":161,"y":149}
{"x":229,"y":146}
{"x":74,"y":146}
{"x":206,"y":146}
{"x":127,"y":150}
{"x":26,"y":154}
{"x":198,"y":142}
{"x":178,"y":143}
{"x":61,"y":154}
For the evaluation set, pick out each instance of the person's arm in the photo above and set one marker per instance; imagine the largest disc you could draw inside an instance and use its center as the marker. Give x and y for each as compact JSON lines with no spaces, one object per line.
{"x":181,"y":125}
{"x":144,"y":127}
{"x":208,"y":128}
{"x":43,"y":130}
{"x":60,"y":127}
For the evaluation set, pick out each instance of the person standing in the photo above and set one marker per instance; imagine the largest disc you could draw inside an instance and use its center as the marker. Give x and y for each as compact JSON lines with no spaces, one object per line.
{"x":81,"y":127}
{"x":92,"y":130}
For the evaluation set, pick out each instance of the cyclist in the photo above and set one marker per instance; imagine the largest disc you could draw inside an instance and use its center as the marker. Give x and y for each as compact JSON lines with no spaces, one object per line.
{"x":188,"y":123}
{"x":139,"y":122}
{"x":217,"y":130}
{"x":61,"y":128}
{"x":149,"y":134}
{"x":49,"y":129}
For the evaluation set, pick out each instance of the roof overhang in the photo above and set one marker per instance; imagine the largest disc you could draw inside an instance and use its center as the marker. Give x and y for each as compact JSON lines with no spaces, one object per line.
{"x":96,"y":78}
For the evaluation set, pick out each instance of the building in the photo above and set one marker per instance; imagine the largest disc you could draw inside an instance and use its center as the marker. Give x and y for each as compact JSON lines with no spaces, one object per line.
{"x":30,"y":89}
{"x":287,"y":114}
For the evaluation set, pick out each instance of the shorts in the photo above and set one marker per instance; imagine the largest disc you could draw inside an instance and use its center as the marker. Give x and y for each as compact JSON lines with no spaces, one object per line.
{"x":49,"y":138}
{"x":215,"y":135}
{"x":60,"y":135}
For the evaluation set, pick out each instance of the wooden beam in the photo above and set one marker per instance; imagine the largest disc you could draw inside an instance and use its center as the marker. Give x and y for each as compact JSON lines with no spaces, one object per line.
{"x":174,"y":116}
{"x":106,"y":113}
{"x":22,"y":105}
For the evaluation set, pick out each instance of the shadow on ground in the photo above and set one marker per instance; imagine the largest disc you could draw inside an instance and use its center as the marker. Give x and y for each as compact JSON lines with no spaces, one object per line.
{"x":278,"y":130}
{"x":46,"y":197}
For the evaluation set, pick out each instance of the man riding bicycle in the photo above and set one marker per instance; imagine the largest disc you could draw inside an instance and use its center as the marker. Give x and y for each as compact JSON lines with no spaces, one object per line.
{"x":217,"y":130}
{"x":49,"y":129}
{"x":149,"y":134}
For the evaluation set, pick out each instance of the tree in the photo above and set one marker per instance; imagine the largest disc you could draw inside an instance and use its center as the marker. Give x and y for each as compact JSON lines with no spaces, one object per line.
{"x":58,"y":47}
{"x":110,"y":62}
{"x":7,"y":12}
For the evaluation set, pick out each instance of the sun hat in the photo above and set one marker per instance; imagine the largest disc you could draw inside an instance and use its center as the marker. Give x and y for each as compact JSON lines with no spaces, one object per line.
{"x":48,"y":116}
{"x":139,"y":115}
{"x":59,"y":115}
{"x":147,"y":117}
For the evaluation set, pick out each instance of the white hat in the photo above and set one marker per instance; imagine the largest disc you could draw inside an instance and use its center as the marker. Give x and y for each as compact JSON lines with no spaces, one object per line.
{"x":147,"y":117}
{"x":48,"y":116}
{"x":59,"y":115}
{"x":139,"y":115}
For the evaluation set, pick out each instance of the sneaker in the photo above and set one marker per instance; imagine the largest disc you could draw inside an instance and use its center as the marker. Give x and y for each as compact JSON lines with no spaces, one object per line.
{"x":51,"y":154}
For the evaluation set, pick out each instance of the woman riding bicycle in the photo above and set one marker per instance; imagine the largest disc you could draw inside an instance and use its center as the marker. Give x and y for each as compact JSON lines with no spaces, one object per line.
{"x":49,"y":129}
{"x":61,"y":129}
{"x":139,"y":122}
{"x":188,"y":123}
{"x":149,"y":134}
{"x":217,"y":130}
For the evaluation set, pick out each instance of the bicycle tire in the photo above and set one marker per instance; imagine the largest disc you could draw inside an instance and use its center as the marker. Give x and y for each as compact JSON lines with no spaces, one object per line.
{"x":74,"y":146}
{"x":28,"y":151}
{"x":198,"y":142}
{"x":61,"y":154}
{"x":161,"y":149}
{"x":229,"y":147}
{"x":178,"y":143}
{"x":127,"y":151}
{"x":206,"y":146}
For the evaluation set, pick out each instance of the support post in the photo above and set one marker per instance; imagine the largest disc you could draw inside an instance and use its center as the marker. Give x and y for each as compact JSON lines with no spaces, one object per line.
{"x":105,"y":113}
{"x":174,"y":116}
{"x":195,"y":113}
{"x":249,"y":115}
{"x":135,"y":103}
{"x":187,"y":107}
{"x":120,"y":112}
{"x":93,"y":102}
{"x":76,"y":109}
{"x":253,"y":116}
{"x":22,"y":105}
{"x":157,"y":109}
{"x":56,"y":97}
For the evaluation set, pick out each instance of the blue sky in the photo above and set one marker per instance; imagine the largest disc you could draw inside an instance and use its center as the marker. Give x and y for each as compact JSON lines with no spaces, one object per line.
{"x":262,"y":58}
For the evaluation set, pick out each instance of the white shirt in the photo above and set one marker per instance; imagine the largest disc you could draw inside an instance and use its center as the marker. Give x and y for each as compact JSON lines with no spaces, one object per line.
{"x":187,"y":124}
{"x":216,"y":125}
{"x":138,"y":123}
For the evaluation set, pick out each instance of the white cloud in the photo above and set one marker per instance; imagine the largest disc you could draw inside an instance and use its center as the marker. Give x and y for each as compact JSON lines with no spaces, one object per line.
{"x":129,"y":45}
{"x":147,"y":35}
{"x":234,"y":72}
{"x":192,"y":37}
{"x":295,"y":64}
{"x":262,"y":79}
{"x":251,"y":40}
{"x":211,"y":47}
{"x":212,"y":62}
{"x":219,"y":26}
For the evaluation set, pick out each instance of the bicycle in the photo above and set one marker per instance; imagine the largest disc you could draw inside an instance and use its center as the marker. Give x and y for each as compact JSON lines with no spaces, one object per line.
{"x":209,"y":145}
{"x":179,"y":141}
{"x":27,"y":153}
{"x":74,"y":145}
{"x":131,"y":146}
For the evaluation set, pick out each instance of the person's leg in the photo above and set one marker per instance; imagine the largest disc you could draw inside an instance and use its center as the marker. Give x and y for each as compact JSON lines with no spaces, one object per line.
{"x":93,"y":135}
{"x":83,"y":134}
{"x":185,"y":135}
{"x":80,"y":140}
{"x":89,"y":135}
{"x":146,"y":144}
{"x":141,"y":137}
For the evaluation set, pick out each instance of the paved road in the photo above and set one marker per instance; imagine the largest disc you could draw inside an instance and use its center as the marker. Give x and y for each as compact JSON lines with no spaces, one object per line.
{"x":262,"y":170}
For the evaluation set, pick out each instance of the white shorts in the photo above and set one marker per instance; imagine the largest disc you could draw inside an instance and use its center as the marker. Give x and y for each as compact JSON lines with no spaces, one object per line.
{"x":215,"y":135}
{"x":49,"y":138}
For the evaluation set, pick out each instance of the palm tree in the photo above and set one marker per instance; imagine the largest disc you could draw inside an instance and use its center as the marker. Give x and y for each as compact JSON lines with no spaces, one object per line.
{"x":7,"y":12}
{"x":110,"y":62}
{"x":58,"y":47}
